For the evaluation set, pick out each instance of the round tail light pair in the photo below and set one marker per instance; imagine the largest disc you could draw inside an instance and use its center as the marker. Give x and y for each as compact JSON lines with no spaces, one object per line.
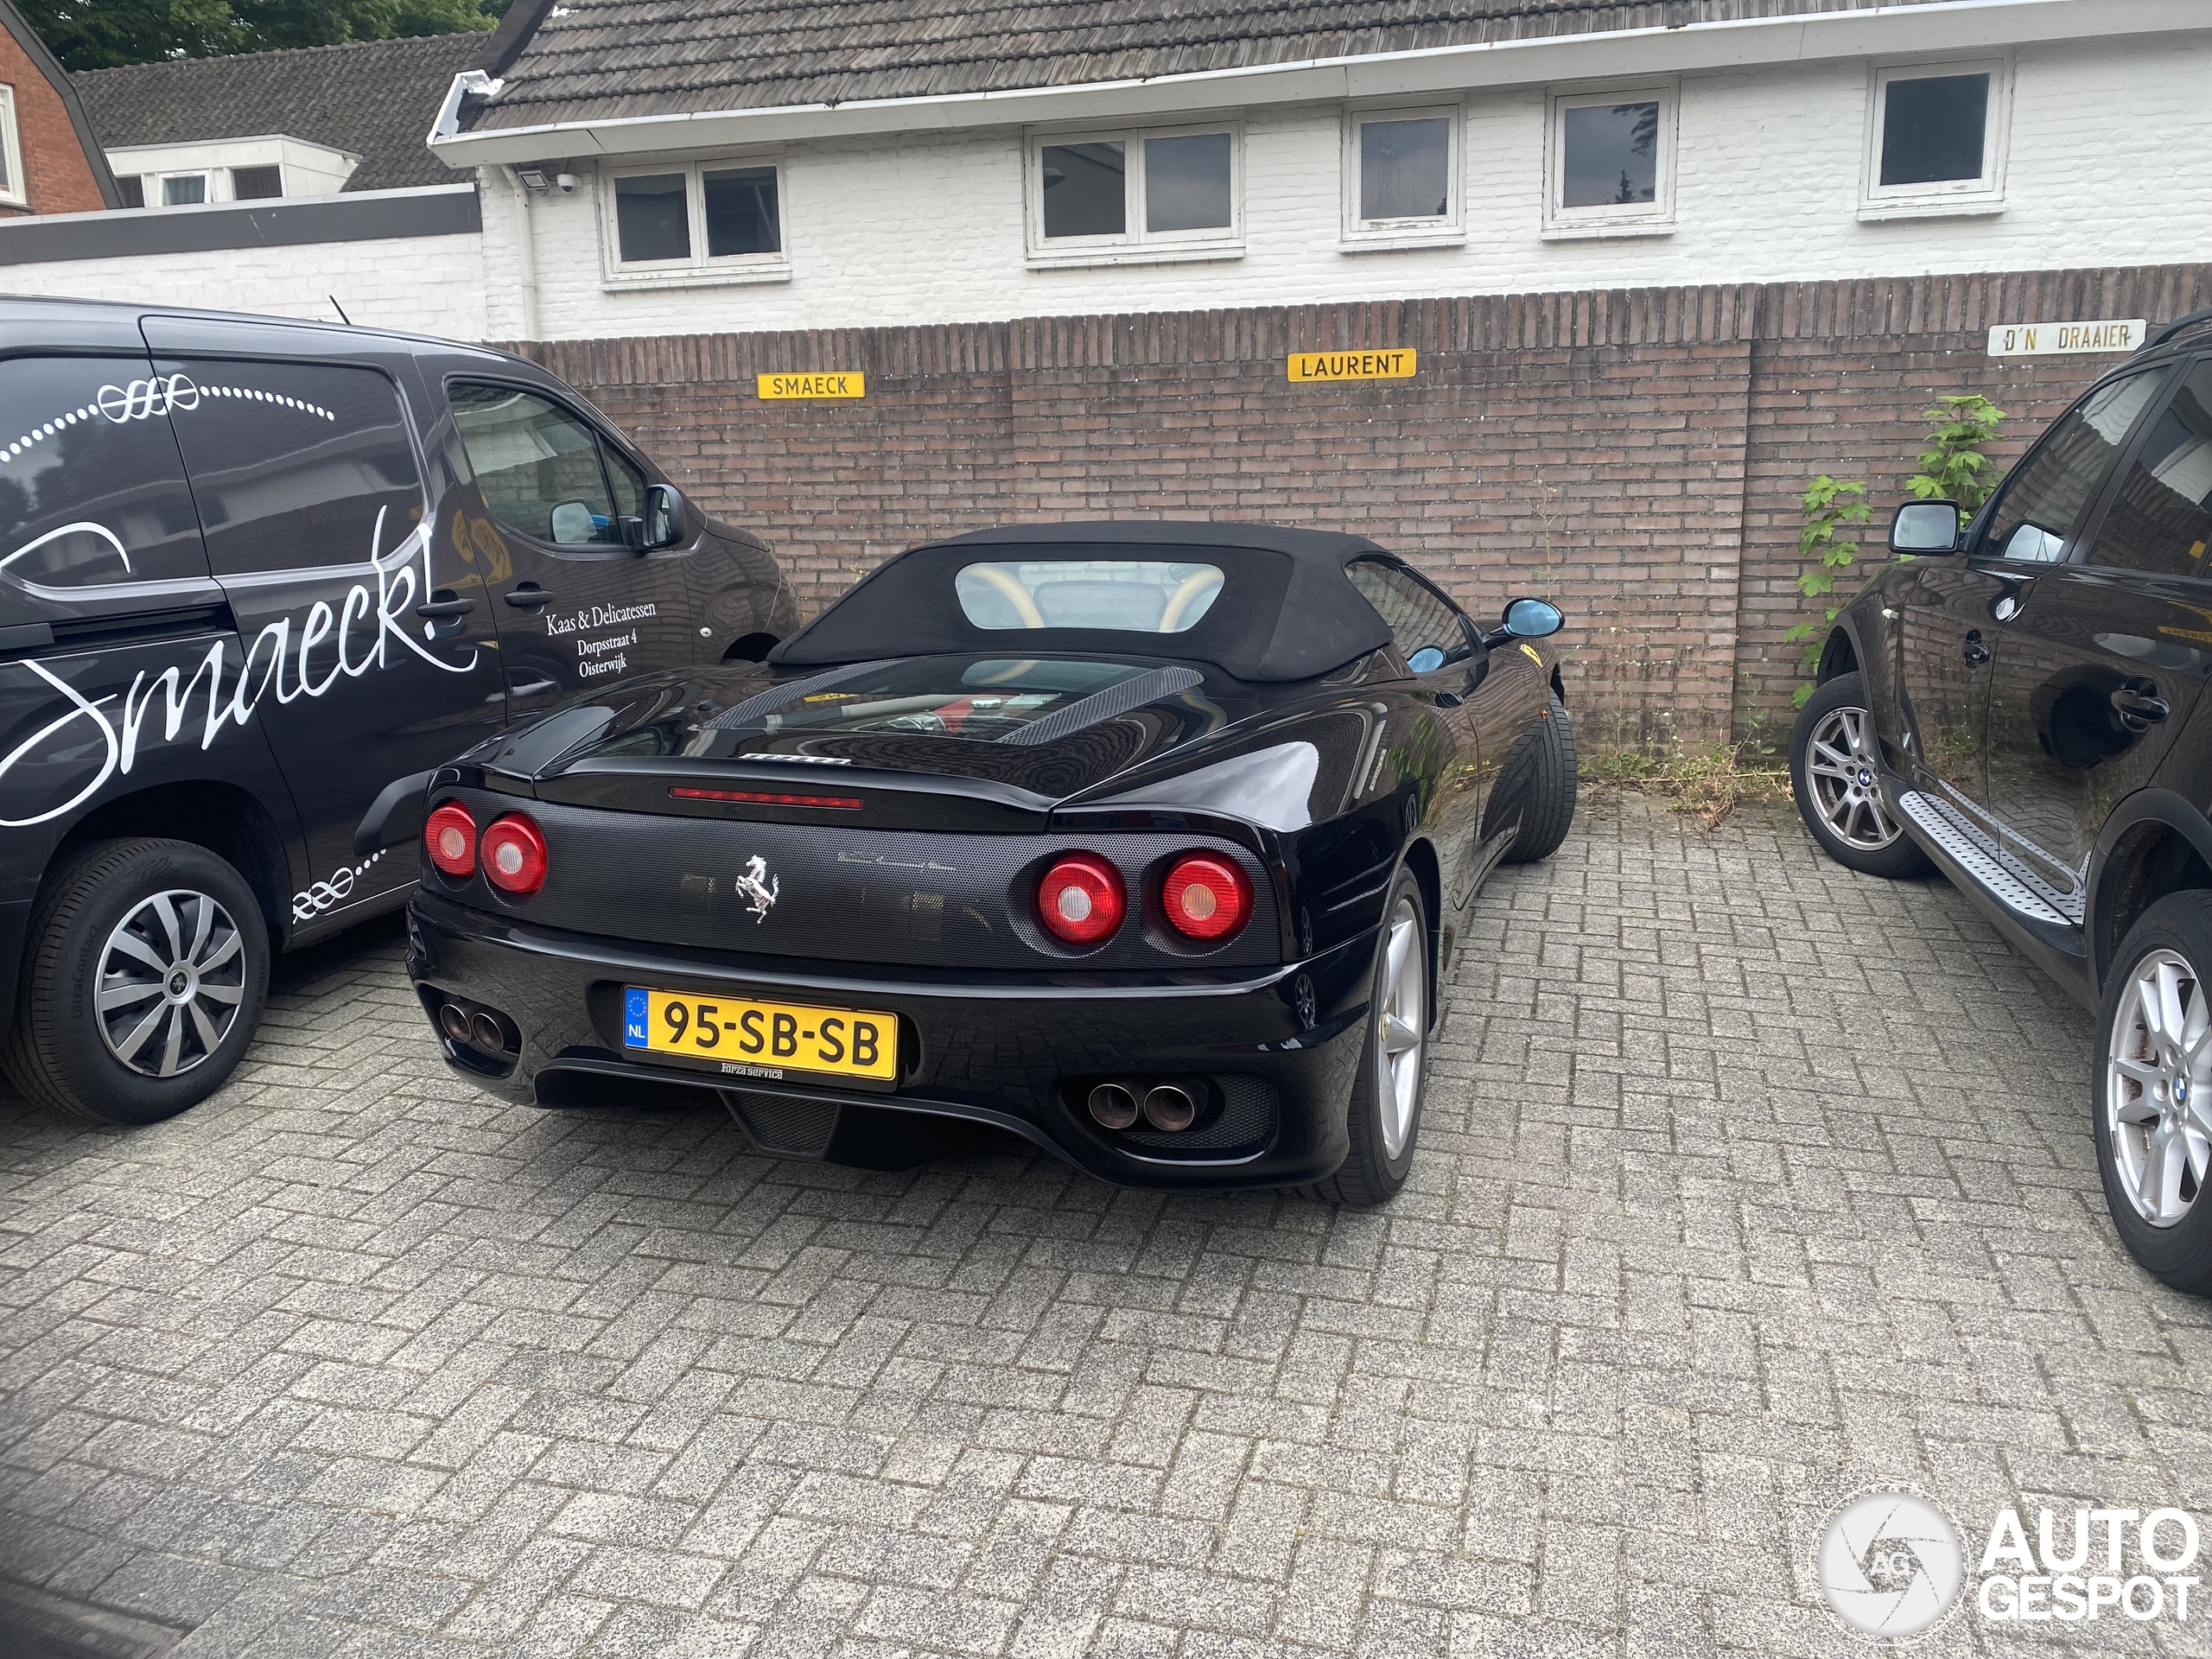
{"x":1082,"y":900}
{"x":512,"y":851}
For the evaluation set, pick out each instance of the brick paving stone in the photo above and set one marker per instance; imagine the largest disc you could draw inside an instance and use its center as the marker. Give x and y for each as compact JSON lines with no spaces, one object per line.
{"x":1746,"y":1182}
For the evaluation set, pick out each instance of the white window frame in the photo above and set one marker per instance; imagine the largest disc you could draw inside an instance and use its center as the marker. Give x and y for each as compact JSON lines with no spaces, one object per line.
{"x":1135,"y":245}
{"x":1653,"y":218}
{"x":1448,"y":230}
{"x":1949,"y":197}
{"x":16,"y":192}
{"x":699,"y":271}
{"x":159,"y":194}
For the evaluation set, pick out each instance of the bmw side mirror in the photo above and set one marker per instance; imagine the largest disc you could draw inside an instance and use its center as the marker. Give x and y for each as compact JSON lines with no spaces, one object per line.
{"x":1427,"y":660}
{"x":1926,"y":527}
{"x":667,"y":525}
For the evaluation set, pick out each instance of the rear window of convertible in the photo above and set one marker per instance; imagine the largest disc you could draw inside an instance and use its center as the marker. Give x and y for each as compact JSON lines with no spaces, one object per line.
{"x":1132,"y":595}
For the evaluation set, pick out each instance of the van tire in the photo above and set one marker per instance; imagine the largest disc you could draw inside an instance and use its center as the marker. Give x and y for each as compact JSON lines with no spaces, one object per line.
{"x":99,"y":909}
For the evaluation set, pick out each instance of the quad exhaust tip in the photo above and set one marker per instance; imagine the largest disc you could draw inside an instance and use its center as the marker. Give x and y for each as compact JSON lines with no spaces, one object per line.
{"x":1113,"y":1105}
{"x":470,"y":1027}
{"x":1168,"y":1107}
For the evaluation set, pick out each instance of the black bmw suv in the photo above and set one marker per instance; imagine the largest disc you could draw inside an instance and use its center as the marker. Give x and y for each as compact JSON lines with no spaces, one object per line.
{"x":258,"y":579}
{"x":2018,"y":704}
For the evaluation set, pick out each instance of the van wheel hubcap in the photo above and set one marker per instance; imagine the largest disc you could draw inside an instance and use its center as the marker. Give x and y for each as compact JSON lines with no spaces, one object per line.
{"x":2157,"y":1105}
{"x":171,"y":978}
{"x":1839,"y":769}
{"x":1400,"y":1022}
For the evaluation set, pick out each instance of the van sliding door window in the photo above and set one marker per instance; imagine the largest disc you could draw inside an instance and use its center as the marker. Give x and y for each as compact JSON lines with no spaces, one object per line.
{"x":298,"y":465}
{"x":91,"y":490}
{"x":543,"y":472}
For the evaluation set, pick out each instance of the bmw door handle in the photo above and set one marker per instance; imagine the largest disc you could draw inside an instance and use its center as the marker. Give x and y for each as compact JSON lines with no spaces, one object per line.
{"x":2139,"y":708}
{"x":445,"y":602}
{"x":529,"y":597}
{"x":1976,"y":653}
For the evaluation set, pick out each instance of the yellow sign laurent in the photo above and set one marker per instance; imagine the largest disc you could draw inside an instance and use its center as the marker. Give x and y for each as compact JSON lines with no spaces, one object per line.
{"x":843,"y":384}
{"x":1396,"y":365}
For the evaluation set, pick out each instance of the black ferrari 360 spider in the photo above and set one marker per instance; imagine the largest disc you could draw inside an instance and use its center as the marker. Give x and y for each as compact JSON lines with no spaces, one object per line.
{"x":1148,"y":842}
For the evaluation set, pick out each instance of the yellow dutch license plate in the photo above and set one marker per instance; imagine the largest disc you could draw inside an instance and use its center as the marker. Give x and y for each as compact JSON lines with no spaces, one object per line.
{"x":751,"y":1039}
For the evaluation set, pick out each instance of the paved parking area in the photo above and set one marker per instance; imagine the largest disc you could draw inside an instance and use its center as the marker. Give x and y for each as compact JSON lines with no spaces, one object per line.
{"x":1746,"y":1182}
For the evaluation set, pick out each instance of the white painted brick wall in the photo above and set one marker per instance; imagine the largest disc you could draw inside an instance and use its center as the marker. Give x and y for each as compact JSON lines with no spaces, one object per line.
{"x":929,"y":228}
{"x":426,"y":284}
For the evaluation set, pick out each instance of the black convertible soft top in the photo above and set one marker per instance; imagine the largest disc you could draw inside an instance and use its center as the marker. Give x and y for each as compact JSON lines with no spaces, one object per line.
{"x":1286,"y":610}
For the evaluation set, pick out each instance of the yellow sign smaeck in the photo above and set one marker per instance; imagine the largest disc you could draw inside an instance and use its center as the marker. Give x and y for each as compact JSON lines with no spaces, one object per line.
{"x":1395,"y":364}
{"x":843,"y":383}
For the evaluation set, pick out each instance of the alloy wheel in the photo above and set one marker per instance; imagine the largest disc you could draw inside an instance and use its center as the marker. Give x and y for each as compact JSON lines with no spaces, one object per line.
{"x":2158,"y":1096}
{"x":1840,"y":762}
{"x":1400,"y":1025}
{"x":171,"y":978}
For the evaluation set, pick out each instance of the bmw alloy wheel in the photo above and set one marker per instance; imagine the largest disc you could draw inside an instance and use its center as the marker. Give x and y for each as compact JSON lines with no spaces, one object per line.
{"x":2158,"y":1100}
{"x":1400,"y":1025}
{"x":171,"y":977}
{"x":1840,"y":761}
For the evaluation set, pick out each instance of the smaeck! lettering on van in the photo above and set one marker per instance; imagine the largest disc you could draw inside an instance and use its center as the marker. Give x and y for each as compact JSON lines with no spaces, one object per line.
{"x":129,"y":544}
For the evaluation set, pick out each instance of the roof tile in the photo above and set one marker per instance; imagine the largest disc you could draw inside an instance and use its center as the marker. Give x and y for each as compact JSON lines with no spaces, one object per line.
{"x":375,"y":98}
{"x":600,"y":59}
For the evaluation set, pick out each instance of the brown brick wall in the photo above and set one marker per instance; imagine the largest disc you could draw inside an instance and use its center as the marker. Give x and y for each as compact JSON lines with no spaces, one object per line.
{"x":1636,"y":454}
{"x":61,"y":181}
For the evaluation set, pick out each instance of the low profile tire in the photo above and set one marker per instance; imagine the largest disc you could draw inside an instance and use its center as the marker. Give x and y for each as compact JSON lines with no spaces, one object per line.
{"x":147,"y":969}
{"x":1834,"y":763}
{"x":1547,"y":749}
{"x":1384,"y":1119}
{"x":2151,"y":1090}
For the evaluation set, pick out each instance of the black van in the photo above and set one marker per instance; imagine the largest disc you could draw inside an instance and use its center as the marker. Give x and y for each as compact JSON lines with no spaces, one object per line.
{"x":258,"y":578}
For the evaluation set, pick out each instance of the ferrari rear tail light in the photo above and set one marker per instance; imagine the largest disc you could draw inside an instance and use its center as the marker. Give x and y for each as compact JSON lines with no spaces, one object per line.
{"x":450,"y":837}
{"x":514,"y":854}
{"x":1081,"y":899}
{"x":1206,"y":896}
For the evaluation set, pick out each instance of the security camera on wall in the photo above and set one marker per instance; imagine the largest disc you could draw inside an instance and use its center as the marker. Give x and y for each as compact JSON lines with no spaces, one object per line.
{"x":566,"y":183}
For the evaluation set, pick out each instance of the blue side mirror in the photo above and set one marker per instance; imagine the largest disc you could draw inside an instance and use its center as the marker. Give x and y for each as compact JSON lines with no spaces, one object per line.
{"x":1533,"y":618}
{"x":1427,"y":660}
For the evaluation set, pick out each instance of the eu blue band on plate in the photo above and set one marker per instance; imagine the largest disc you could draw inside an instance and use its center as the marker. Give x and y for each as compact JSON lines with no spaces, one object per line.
{"x":633,"y":1019}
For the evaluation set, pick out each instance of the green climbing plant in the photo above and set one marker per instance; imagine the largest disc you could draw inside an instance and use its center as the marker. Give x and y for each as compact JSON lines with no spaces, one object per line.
{"x":1954,"y":466}
{"x":1832,"y":507}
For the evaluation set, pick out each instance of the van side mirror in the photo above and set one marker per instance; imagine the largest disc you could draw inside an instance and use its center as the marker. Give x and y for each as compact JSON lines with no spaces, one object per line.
{"x":667,"y":523}
{"x":1926,"y":527}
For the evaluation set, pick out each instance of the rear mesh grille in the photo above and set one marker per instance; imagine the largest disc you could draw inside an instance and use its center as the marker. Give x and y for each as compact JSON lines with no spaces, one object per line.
{"x":797,"y":1129}
{"x":1248,"y":1119}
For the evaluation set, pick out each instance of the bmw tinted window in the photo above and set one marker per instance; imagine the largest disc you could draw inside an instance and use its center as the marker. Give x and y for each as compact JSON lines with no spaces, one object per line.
{"x":90,"y":489}
{"x":2036,"y":511}
{"x":1419,"y":620}
{"x":2161,"y":520}
{"x":298,"y":464}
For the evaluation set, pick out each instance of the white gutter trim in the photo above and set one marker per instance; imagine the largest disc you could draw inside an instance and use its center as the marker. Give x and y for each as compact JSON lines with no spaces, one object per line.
{"x":1955,"y":25}
{"x":448,"y":122}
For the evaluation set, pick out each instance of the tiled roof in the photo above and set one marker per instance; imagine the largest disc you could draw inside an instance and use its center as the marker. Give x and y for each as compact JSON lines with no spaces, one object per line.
{"x":377,"y":99}
{"x":601,"y":60}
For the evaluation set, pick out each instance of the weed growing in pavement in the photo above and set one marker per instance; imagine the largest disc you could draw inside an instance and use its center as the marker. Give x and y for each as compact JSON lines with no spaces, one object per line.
{"x":1707,"y":780}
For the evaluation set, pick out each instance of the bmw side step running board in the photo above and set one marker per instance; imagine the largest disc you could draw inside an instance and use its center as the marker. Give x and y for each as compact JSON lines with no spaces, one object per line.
{"x":2011,"y":882}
